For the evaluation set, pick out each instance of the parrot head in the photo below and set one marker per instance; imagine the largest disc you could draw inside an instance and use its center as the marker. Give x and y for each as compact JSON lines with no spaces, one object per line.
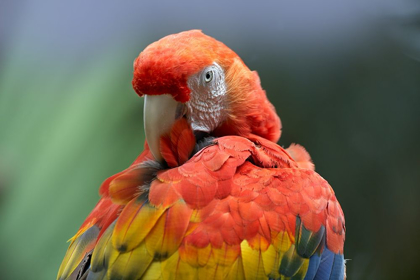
{"x":193,"y":76}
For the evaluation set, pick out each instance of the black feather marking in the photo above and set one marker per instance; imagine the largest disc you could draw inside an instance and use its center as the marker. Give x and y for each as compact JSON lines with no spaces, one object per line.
{"x":77,"y":247}
{"x":100,"y":256}
{"x":152,"y":168}
{"x":203,"y":143}
{"x":84,"y":266}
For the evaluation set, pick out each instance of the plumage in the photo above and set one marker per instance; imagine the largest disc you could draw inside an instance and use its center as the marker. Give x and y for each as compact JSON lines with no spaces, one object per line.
{"x":134,"y":223}
{"x":231,"y":204}
{"x":79,"y":248}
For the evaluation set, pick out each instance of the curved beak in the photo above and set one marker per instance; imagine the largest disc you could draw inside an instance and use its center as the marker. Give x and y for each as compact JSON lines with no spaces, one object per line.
{"x":160,"y":113}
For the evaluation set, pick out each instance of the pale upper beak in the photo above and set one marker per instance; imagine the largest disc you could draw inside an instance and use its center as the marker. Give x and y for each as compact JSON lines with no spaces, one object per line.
{"x":160,"y":113}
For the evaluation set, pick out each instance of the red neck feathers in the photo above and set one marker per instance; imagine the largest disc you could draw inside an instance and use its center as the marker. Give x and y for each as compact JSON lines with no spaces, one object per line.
{"x":250,"y":112}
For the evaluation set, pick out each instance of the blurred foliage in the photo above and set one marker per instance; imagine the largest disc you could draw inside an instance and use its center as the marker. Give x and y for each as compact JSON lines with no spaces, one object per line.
{"x":69,"y":119}
{"x":60,"y":140}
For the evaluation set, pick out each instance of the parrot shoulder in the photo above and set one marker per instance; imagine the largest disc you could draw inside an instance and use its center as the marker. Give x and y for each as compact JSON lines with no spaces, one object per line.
{"x":255,"y":208}
{"x":238,"y":208}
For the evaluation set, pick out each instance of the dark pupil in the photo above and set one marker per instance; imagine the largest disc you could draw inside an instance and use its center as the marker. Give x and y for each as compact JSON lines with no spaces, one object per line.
{"x":208,"y":76}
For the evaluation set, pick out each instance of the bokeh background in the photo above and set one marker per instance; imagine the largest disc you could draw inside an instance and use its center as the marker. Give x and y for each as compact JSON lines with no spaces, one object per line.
{"x":343,"y":75}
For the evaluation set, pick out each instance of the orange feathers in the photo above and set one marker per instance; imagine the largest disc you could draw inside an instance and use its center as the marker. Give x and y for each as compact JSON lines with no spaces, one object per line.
{"x":177,"y":146}
{"x":164,"y":66}
{"x":230,"y":210}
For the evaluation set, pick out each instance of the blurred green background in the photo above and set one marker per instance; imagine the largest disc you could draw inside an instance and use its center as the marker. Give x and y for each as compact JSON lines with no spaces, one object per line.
{"x":344,"y":77}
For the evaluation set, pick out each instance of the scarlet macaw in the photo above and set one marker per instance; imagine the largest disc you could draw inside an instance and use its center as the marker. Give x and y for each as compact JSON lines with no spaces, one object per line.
{"x":212,"y":196}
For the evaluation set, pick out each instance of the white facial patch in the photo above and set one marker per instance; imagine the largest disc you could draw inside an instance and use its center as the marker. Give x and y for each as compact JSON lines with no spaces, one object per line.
{"x":207,"y":104}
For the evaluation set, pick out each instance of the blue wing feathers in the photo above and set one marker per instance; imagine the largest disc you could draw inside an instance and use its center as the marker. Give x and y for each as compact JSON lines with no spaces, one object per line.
{"x":328,"y":266}
{"x":324,"y":269}
{"x":314,"y":262}
{"x":337,"y":271}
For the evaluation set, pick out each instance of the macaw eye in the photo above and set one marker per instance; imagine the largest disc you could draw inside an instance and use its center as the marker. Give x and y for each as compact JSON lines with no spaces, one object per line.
{"x":208,"y":76}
